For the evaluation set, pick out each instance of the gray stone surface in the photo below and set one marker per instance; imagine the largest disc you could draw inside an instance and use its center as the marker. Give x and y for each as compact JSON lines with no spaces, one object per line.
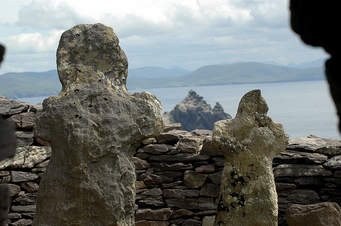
{"x":94,"y":126}
{"x":208,"y":221}
{"x":24,"y":120}
{"x":149,"y":214}
{"x":9,"y":107}
{"x":24,"y":138}
{"x":320,"y":214}
{"x":297,"y":157}
{"x":316,"y":144}
{"x":19,"y":176}
{"x":299,"y":170}
{"x":249,"y":142}
{"x":190,"y":144}
{"x":27,"y":157}
{"x":13,"y":189}
{"x":7,"y":138}
{"x":194,"y":179}
{"x":333,"y":163}
{"x":4,"y":204}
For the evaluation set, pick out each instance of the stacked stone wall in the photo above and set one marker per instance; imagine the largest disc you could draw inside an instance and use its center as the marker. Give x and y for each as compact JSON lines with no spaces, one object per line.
{"x":178,"y":186}
{"x":22,"y":173}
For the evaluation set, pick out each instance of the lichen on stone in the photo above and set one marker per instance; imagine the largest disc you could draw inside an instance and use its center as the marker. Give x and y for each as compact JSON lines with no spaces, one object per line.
{"x":249,"y":142}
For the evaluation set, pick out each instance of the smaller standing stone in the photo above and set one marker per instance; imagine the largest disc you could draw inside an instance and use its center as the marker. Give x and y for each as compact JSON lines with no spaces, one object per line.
{"x":249,"y":143}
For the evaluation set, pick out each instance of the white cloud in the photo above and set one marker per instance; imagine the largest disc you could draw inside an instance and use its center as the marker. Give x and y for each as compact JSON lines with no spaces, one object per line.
{"x":48,"y":14}
{"x":34,"y":42}
{"x":188,"y":33}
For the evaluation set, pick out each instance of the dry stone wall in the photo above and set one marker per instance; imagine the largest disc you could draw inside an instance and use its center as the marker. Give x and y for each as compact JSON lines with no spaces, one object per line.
{"x":22,"y":173}
{"x":177,"y":186}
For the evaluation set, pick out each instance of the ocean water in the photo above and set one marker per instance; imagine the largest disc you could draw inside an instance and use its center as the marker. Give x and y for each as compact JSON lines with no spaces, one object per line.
{"x":303,"y":108}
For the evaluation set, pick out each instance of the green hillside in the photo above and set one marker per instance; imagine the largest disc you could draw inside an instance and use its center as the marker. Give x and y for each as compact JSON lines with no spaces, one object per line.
{"x":29,"y":84}
{"x":249,"y":73}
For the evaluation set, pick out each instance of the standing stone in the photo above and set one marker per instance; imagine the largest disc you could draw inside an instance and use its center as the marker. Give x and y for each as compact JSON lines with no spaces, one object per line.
{"x":249,"y":142}
{"x":94,"y":127}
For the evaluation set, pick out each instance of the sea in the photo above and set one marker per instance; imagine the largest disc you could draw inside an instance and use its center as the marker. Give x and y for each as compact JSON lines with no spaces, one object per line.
{"x":303,"y":108}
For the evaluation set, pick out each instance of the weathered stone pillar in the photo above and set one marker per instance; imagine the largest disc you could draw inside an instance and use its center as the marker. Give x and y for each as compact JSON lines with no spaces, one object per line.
{"x":249,"y":142}
{"x":94,"y":126}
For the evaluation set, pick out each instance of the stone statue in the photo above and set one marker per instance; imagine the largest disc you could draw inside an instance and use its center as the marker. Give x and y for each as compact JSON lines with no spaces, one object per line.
{"x":249,"y":142}
{"x":94,"y":127}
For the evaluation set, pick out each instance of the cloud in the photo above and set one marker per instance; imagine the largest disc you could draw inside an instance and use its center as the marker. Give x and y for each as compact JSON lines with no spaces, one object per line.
{"x":49,"y":14}
{"x":34,"y":42}
{"x":187,"y":33}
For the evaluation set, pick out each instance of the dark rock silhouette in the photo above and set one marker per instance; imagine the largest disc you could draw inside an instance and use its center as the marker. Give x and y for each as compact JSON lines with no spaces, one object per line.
{"x":194,"y":113}
{"x":316,"y":23}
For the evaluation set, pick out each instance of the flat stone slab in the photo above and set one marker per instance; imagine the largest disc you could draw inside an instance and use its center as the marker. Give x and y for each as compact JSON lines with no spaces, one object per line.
{"x":9,"y":107}
{"x":320,"y":214}
{"x":293,"y":156}
{"x":297,"y":170}
{"x":26,"y":157}
{"x":333,"y":163}
{"x":316,"y":144}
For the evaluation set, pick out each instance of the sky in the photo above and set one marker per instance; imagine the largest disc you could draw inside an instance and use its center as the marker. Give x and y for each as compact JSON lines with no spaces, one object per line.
{"x":166,"y":33}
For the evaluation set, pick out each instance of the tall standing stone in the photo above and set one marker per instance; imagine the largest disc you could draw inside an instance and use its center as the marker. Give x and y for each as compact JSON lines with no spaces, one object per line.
{"x":94,"y":126}
{"x":249,"y":142}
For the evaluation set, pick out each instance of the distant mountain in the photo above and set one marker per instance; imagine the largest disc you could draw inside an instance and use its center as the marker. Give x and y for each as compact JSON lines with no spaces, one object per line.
{"x":152,"y":77}
{"x":309,"y":64}
{"x":249,"y":72}
{"x":156,"y":72}
{"x":28,"y":84}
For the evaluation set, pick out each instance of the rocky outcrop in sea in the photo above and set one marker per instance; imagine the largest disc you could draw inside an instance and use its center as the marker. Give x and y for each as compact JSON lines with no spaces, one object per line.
{"x":195,"y":113}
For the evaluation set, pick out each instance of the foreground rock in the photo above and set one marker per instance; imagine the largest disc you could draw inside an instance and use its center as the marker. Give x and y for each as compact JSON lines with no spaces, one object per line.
{"x":249,"y":142}
{"x":94,"y":126}
{"x":320,"y":214}
{"x":194,"y":113}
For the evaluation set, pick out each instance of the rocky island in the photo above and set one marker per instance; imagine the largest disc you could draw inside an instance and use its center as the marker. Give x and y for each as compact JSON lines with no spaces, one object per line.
{"x":195,"y":113}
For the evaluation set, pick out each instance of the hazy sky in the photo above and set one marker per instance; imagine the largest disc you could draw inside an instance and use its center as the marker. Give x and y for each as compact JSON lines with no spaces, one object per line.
{"x":185,"y":33}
